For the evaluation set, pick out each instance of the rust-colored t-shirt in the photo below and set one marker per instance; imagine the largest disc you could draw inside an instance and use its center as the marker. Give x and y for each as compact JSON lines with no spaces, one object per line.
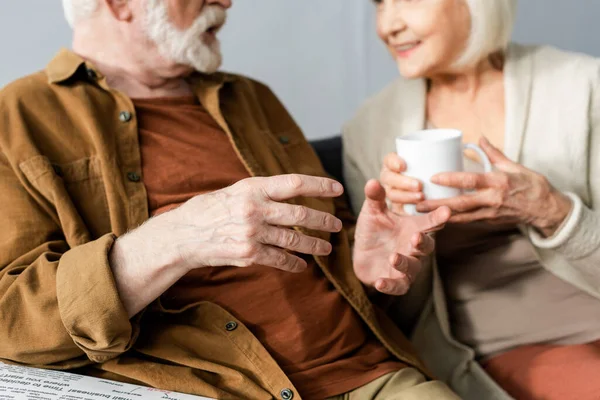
{"x":308,"y":328}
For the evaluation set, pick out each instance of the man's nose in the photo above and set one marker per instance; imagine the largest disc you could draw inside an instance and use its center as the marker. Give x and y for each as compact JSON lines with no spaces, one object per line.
{"x":223,"y":3}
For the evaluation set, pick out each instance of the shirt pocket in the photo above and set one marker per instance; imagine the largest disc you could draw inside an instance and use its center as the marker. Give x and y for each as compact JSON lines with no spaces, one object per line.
{"x":76,"y":190}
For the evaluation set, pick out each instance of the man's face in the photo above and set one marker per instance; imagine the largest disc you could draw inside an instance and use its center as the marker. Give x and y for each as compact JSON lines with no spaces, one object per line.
{"x":184,"y":31}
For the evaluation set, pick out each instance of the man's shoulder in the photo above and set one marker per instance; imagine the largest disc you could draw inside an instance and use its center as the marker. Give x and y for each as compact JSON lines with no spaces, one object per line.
{"x":246,"y":84}
{"x":237,"y":78}
{"x":261,"y":98}
{"x":34,"y":87}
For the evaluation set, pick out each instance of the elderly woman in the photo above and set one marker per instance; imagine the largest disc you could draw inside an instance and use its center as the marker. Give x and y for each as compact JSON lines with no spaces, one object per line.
{"x":516,"y":280}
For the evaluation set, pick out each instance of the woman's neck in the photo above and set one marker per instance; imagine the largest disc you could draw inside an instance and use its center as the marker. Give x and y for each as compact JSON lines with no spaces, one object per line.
{"x":467,"y":81}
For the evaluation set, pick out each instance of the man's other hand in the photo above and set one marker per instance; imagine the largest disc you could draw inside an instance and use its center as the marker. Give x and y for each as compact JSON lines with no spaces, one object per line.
{"x":389,"y":248}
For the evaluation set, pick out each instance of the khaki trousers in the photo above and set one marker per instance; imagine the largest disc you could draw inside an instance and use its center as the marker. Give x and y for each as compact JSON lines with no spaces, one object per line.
{"x":407,"y":384}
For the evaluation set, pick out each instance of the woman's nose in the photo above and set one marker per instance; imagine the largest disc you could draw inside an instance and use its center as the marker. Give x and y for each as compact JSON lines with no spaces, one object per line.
{"x":391,"y":19}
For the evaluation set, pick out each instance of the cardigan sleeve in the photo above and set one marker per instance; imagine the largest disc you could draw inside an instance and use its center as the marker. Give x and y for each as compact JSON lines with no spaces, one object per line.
{"x":577,"y":243}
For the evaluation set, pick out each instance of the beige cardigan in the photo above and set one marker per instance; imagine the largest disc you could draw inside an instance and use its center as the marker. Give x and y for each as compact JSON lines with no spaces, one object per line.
{"x":552,"y":127}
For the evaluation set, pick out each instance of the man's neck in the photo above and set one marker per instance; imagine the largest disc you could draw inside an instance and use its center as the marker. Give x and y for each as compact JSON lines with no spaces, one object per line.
{"x":124,"y":70}
{"x":139,"y":85}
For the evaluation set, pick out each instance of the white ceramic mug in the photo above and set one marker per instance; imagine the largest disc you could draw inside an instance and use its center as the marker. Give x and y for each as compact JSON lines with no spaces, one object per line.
{"x":432,"y":151}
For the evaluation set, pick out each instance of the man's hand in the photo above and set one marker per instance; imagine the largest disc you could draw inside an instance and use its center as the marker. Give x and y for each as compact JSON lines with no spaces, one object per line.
{"x":242,"y":225}
{"x":388,"y":247}
{"x":246,"y":224}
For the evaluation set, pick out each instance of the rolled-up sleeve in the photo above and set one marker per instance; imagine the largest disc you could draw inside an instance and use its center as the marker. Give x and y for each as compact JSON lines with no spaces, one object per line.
{"x":89,"y":303}
{"x":59,"y":306}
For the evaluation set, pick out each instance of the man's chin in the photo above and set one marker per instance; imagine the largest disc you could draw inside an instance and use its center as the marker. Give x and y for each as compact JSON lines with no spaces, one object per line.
{"x":208,"y":65}
{"x":197,"y":59}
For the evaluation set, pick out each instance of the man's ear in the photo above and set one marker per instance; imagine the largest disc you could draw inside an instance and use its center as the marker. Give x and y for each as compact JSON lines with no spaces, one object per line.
{"x":120,"y":9}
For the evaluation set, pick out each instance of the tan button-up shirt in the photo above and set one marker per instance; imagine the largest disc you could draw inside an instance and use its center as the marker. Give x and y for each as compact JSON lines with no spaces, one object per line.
{"x":70,"y":183}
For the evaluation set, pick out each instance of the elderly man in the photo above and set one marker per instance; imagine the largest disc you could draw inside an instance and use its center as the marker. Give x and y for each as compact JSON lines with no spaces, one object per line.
{"x":167,"y":225}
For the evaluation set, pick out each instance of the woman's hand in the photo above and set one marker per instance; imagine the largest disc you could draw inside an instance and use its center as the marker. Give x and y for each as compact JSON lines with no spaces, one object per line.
{"x":399,"y":189}
{"x":512,"y":193}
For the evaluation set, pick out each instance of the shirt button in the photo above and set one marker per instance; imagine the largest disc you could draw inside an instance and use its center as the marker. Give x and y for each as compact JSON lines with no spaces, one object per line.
{"x":231,"y":326}
{"x":284,"y":139}
{"x":91,"y":74}
{"x":287,"y":394}
{"x":134,"y":177}
{"x":125,"y":116}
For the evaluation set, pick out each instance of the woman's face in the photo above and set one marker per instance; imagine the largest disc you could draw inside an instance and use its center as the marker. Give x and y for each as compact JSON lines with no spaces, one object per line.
{"x":425,"y":37}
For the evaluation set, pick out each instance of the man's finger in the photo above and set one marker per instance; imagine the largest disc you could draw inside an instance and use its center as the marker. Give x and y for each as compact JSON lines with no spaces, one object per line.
{"x":375,"y":197}
{"x":393,"y":162}
{"x":398,"y":208}
{"x":422,"y":244}
{"x":285,"y":187}
{"x":269,"y":256}
{"x":393,"y":287}
{"x":408,"y":265}
{"x":434,"y":220}
{"x":291,"y":215}
{"x":295,"y":241}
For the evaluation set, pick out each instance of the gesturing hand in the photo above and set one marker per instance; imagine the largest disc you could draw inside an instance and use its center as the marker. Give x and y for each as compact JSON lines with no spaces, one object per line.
{"x":246,"y":224}
{"x":512,"y":193}
{"x":389,"y":247}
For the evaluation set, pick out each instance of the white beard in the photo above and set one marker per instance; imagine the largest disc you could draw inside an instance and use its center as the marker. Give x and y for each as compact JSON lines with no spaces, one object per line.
{"x":185,"y":47}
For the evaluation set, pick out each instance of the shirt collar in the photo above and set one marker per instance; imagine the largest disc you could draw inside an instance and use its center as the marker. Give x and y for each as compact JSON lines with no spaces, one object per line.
{"x":63,"y":66}
{"x":66,"y":63}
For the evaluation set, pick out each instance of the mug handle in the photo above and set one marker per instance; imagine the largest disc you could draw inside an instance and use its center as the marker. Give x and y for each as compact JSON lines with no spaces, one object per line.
{"x":487,"y":165}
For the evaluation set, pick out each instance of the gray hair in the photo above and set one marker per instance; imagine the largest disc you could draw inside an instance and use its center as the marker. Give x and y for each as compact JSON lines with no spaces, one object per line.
{"x":76,"y":10}
{"x":492,"y":23}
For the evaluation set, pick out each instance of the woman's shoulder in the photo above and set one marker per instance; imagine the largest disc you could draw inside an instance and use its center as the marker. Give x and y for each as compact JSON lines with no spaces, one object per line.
{"x":552,"y":62}
{"x":400,"y":98}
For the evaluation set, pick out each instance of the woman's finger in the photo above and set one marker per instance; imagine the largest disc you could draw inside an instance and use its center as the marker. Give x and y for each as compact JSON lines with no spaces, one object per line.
{"x":461,"y":180}
{"x":481,"y":214}
{"x":399,"y":181}
{"x":458,"y":204}
{"x":402,"y":197}
{"x":394,"y":163}
{"x":494,"y":154}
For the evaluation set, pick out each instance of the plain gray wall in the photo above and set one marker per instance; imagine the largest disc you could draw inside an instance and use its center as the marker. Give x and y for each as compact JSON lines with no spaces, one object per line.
{"x":320,"y":56}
